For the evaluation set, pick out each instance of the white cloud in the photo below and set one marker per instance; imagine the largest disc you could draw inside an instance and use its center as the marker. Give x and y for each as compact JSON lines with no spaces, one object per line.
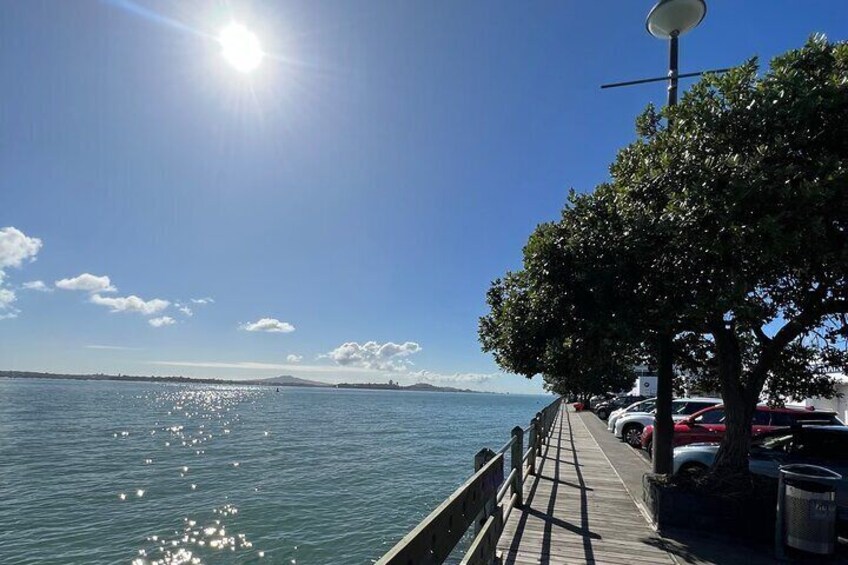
{"x":161,"y":321}
{"x":206,"y":300}
{"x":16,"y":247}
{"x":131,"y":303}
{"x":458,"y":378}
{"x":37,"y":285}
{"x":7,"y":297}
{"x":272,"y":325}
{"x":292,"y":358}
{"x":87,"y":282}
{"x":388,"y":356}
{"x":184,"y":309}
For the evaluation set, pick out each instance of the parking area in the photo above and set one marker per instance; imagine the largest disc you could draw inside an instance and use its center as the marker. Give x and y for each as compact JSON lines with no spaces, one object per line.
{"x":687,"y":546}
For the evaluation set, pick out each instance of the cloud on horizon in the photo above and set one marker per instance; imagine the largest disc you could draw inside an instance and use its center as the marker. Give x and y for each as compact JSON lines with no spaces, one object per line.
{"x":36,"y":285}
{"x":161,"y":321}
{"x":270,"y":325}
{"x":131,"y":303}
{"x":468,"y":378}
{"x":371,"y":355}
{"x":88,"y":283}
{"x":260,"y":366}
{"x":292,"y":358}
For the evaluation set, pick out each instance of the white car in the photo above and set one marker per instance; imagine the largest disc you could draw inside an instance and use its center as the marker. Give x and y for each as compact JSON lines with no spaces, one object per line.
{"x":642,"y":406}
{"x":629,"y":427}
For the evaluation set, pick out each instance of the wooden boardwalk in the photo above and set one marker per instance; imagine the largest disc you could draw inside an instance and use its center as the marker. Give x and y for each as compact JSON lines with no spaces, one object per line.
{"x":577,"y":509}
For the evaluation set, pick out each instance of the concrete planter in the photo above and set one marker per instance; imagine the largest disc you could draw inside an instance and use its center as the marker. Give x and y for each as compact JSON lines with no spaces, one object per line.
{"x":671,"y":506}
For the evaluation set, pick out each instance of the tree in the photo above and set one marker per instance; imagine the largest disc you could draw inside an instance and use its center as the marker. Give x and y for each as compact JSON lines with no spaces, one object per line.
{"x":752,"y":177}
{"x":574,"y":312}
{"x":546,"y":319}
{"x":720,"y":244}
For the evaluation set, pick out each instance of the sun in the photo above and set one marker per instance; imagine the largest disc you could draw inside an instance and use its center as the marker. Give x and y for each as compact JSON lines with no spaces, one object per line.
{"x":240,"y":47}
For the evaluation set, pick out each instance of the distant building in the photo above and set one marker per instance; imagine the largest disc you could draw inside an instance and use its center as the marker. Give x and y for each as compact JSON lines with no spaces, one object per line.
{"x":838,"y":403}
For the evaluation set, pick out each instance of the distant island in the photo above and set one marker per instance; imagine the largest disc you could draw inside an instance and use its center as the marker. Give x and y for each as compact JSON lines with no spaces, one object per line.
{"x":282,"y":380}
{"x":395,"y":386}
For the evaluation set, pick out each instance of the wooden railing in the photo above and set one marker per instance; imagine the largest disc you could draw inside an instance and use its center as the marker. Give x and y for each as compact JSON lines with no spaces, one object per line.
{"x":484,"y":500}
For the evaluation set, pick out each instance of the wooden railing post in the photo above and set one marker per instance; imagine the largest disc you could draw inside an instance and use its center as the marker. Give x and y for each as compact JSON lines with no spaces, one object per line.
{"x":483,"y":456}
{"x":540,"y":434}
{"x":517,"y":458}
{"x":531,"y":443}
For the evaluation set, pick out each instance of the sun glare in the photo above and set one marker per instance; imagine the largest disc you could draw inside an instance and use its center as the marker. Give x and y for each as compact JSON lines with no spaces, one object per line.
{"x":240,"y":47}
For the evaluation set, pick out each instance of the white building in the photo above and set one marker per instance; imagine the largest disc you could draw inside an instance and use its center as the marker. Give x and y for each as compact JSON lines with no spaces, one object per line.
{"x":838,"y":404}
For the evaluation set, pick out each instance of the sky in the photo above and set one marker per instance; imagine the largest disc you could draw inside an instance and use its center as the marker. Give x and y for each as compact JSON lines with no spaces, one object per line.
{"x":337,"y":213}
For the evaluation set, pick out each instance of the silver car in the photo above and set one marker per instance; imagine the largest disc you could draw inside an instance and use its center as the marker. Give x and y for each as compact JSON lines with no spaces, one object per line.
{"x":642,"y":406}
{"x":826,"y":446}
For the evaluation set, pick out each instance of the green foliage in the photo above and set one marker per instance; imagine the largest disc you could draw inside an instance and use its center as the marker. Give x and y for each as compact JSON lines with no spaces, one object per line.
{"x":725,"y":224}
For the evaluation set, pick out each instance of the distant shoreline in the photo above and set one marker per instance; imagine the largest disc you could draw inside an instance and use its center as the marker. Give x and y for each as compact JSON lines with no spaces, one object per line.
{"x":281,"y":381}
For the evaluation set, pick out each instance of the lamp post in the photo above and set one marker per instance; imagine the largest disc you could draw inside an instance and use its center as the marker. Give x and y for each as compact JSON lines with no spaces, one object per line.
{"x":670,"y":19}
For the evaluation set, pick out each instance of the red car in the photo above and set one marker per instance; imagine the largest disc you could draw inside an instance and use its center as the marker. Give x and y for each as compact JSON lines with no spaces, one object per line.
{"x":707,"y":426}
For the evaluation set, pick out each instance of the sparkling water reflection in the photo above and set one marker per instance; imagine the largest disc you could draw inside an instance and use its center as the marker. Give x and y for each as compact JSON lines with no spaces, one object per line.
{"x":105,"y":472}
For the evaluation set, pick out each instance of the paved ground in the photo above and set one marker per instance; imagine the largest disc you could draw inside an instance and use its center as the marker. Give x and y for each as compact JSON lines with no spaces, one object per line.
{"x":686,"y":546}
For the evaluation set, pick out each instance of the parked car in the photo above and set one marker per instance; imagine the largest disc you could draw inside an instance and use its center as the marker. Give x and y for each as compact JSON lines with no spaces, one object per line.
{"x":708,"y":426}
{"x":826,"y":446}
{"x":643,"y":406}
{"x":599,"y":399}
{"x":603,"y":409}
{"x":629,"y":427}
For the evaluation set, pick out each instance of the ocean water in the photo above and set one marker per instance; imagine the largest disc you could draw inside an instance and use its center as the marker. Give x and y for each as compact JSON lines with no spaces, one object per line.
{"x":108,"y":472}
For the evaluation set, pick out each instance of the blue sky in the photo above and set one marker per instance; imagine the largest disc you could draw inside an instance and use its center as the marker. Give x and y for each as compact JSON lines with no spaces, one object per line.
{"x":357,"y":192}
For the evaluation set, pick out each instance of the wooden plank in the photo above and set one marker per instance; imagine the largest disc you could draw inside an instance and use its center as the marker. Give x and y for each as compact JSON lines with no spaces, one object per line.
{"x":577,"y":510}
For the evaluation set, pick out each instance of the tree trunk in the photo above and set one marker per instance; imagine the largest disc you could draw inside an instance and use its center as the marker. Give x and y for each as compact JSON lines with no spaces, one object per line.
{"x":732,"y":458}
{"x":663,"y":424}
{"x":740,"y":402}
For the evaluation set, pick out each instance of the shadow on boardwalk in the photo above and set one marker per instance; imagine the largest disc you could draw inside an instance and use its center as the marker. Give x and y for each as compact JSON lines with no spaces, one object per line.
{"x":577,"y":510}
{"x":687,"y":546}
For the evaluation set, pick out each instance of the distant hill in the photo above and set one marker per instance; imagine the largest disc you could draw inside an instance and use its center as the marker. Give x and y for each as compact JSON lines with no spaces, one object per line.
{"x":286,"y":380}
{"x":282,"y":380}
{"x":394,"y":386}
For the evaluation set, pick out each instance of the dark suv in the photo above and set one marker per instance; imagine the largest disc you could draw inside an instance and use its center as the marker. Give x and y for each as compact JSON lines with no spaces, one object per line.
{"x":604,"y":409}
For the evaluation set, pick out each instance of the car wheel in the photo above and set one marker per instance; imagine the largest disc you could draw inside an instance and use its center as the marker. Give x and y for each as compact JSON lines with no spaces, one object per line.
{"x":633,"y":435}
{"x":602,"y":414}
{"x":692,"y":470}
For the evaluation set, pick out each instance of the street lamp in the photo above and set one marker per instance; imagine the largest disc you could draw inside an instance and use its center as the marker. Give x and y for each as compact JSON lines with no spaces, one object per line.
{"x":670,"y":19}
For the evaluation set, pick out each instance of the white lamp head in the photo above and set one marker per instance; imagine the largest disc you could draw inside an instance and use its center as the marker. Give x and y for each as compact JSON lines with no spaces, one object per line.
{"x":675,"y":17}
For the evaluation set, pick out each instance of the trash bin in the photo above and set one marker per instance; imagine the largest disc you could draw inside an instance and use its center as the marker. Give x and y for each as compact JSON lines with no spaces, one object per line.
{"x":806,"y":508}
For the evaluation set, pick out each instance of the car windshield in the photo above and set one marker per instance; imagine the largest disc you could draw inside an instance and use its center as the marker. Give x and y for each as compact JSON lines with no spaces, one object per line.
{"x":711,"y":417}
{"x":685,"y":407}
{"x":773,"y":442}
{"x":646,"y":406}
